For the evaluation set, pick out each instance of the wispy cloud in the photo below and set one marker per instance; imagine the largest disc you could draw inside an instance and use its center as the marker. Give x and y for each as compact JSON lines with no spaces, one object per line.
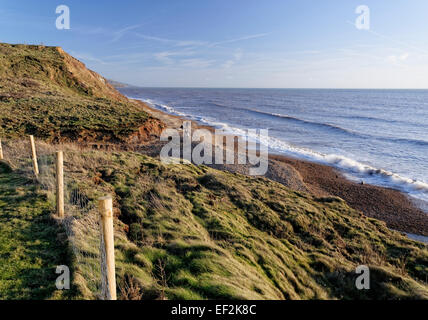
{"x":254,"y":36}
{"x":87,"y":57}
{"x":183,"y":59}
{"x":117,"y":35}
{"x":197,"y":43}
{"x":167,"y":56}
{"x":237,"y":56}
{"x":153,"y":38}
{"x":168,"y":53}
{"x":395,"y":41}
{"x":197,"y":63}
{"x":193,"y":48}
{"x":178,"y":43}
{"x":397,"y":59}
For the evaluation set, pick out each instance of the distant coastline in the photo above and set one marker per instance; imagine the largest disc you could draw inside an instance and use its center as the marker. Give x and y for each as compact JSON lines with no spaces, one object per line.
{"x":391,"y":206}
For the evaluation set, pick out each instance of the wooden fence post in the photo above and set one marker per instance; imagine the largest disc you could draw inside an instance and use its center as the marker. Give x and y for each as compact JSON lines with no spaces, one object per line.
{"x":59,"y":184}
{"x":34,"y":156}
{"x":1,"y":151}
{"x":105,"y":206}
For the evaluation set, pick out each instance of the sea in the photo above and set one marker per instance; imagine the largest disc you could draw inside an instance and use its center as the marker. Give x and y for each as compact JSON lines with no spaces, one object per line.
{"x":377,"y":137}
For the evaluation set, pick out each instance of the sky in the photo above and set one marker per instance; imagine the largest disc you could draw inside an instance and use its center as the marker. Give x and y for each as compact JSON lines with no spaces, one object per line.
{"x":235,"y":43}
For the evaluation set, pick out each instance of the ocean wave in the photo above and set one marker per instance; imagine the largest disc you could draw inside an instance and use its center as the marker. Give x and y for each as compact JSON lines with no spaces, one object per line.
{"x":330,"y":126}
{"x":411,"y":141}
{"x":312,"y":123}
{"x":368,"y":118}
{"x":356,"y":169}
{"x":343,"y":130}
{"x":162,"y":107}
{"x":291,"y":118}
{"x":205,"y":120}
{"x":387,"y":121}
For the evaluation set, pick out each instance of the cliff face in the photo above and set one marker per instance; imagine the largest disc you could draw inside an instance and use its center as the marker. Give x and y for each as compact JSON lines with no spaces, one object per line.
{"x":98,"y":86}
{"x":46,"y":92}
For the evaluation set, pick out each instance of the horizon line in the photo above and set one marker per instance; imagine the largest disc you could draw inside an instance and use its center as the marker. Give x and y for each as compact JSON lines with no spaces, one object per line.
{"x":267,"y":88}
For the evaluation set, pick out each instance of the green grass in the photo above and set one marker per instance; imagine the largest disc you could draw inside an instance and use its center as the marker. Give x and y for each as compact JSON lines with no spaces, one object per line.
{"x":30,"y":241}
{"x":187,"y":232}
{"x":181,"y":232}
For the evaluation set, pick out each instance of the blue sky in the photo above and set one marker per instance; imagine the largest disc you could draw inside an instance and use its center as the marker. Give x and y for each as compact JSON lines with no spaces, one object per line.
{"x":239,"y":43}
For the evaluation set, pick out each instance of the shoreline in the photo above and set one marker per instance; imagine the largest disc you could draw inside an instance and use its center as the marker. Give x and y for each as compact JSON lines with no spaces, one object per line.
{"x":389,"y":205}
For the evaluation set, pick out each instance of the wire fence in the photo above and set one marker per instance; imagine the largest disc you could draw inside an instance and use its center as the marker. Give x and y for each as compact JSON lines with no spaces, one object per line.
{"x":81,"y":222}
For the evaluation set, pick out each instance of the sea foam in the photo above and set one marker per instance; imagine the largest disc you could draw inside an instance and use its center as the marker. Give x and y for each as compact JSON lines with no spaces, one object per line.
{"x":353,"y":169}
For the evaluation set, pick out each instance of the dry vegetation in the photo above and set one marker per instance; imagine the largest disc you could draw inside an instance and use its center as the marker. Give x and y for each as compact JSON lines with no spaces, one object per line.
{"x":181,"y":231}
{"x":187,"y":232}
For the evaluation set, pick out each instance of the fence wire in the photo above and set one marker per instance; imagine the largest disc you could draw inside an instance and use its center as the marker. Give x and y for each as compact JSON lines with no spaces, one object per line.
{"x":81,"y":221}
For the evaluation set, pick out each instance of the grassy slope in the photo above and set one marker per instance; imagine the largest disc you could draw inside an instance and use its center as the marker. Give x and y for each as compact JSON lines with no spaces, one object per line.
{"x":29,"y":246}
{"x":46,"y":92}
{"x":182,"y":231}
{"x":222,"y":235}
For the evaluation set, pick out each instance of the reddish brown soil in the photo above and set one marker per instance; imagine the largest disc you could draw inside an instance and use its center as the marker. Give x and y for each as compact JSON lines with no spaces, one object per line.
{"x":389,"y":205}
